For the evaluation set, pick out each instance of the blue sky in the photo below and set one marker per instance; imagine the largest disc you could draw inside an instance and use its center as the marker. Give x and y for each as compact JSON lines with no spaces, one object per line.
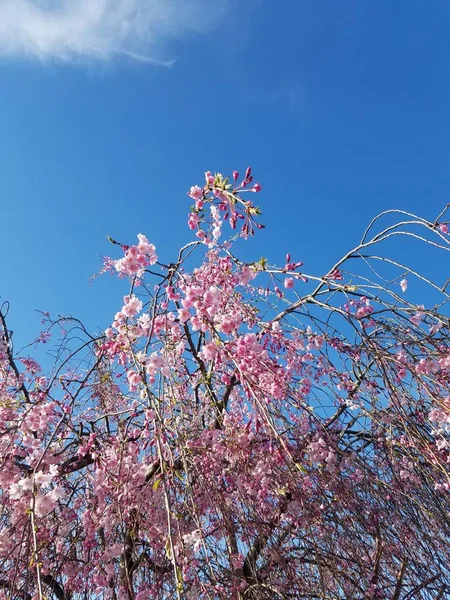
{"x":111,"y":109}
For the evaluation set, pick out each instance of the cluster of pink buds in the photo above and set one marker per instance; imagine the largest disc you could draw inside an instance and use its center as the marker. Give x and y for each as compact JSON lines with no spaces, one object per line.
{"x":248,"y":179}
{"x":292,"y":266}
{"x":226,"y":197}
{"x":335,"y":275}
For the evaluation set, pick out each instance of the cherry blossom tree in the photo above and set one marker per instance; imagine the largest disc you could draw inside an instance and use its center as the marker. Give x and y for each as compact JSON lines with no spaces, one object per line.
{"x":241,"y":430}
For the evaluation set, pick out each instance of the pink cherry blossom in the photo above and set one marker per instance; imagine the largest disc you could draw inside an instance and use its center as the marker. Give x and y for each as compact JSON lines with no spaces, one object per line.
{"x":132,"y":305}
{"x":134,"y":378}
{"x":209,"y":178}
{"x":196,"y":192}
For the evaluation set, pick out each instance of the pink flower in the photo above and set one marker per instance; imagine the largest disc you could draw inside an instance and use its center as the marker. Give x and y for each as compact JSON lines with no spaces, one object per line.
{"x":288,"y":283}
{"x":404,"y":285}
{"x":196,"y":192}
{"x":183,"y":315}
{"x":144,"y":246}
{"x":209,"y":178}
{"x":209,"y":351}
{"x":172,"y":294}
{"x":228,"y":324}
{"x":443,"y":227}
{"x":193,"y":220}
{"x":132,"y":306}
{"x":133,"y":378}
{"x":418,"y":316}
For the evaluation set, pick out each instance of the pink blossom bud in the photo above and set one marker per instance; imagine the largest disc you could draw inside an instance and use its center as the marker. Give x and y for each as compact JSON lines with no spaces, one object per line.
{"x":278,"y":292}
{"x":235,"y":175}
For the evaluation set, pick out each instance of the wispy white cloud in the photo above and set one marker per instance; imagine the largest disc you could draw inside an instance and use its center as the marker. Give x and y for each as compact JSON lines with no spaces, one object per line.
{"x":291,"y":96}
{"x":74,"y":30}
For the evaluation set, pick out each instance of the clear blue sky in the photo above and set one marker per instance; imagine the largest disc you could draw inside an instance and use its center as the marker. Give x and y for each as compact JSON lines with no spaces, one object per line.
{"x":342,"y":107}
